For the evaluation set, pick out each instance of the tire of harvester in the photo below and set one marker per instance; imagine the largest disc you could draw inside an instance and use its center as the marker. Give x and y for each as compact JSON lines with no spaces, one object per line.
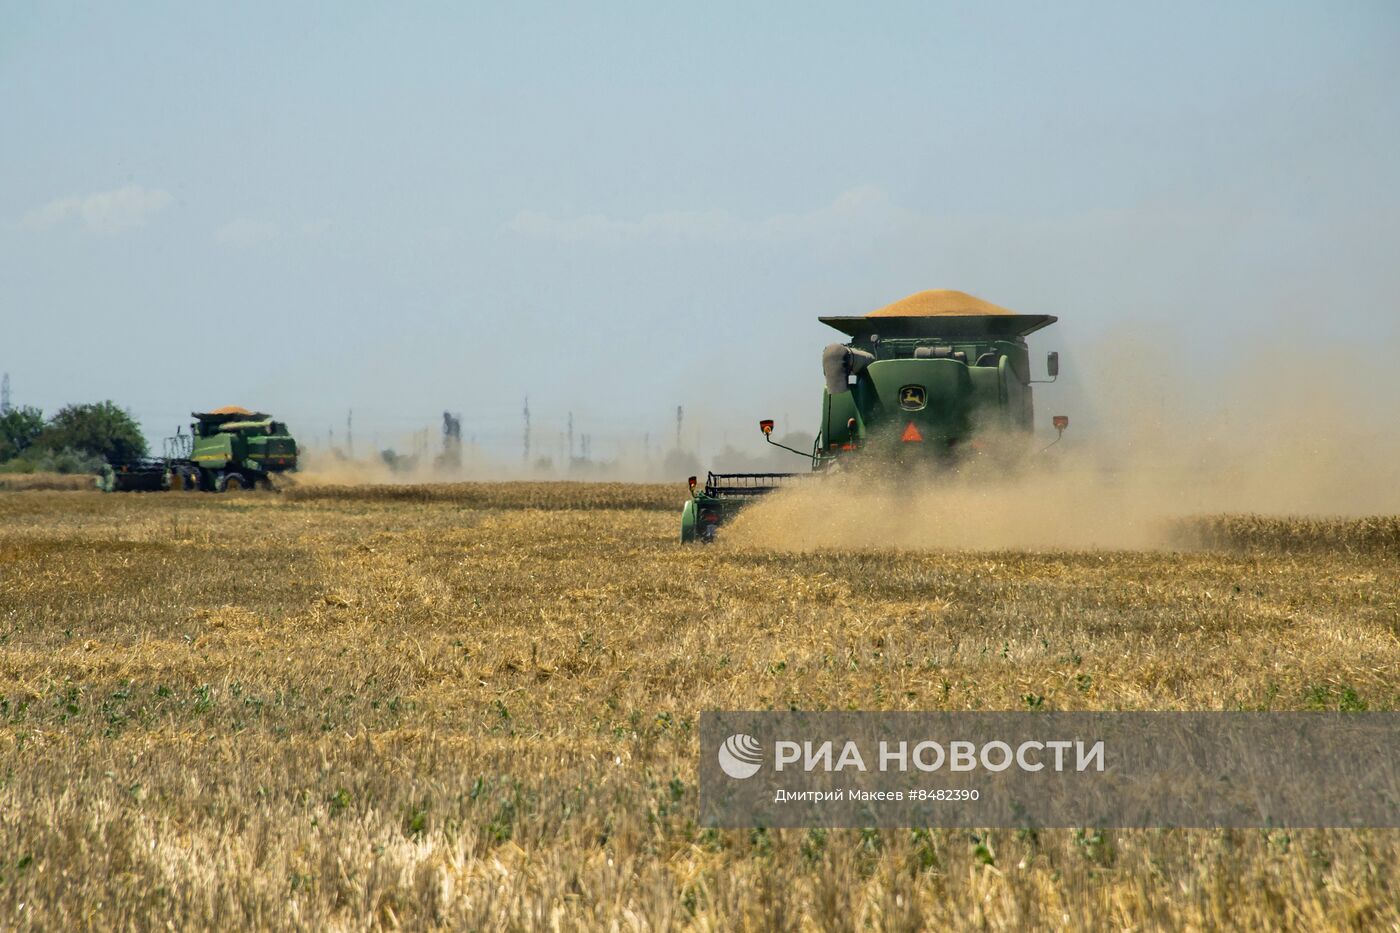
{"x":231,"y":482}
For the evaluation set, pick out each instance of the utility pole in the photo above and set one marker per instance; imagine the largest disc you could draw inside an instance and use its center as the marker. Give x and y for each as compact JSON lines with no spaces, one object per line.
{"x":527,"y":430}
{"x":349,"y":436}
{"x":5,"y":394}
{"x":680,"y":416}
{"x":571,"y":437}
{"x":452,"y":439}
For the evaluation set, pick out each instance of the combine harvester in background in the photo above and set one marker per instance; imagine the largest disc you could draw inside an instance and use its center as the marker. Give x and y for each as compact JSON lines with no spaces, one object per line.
{"x":227,"y":449}
{"x":934,"y":382}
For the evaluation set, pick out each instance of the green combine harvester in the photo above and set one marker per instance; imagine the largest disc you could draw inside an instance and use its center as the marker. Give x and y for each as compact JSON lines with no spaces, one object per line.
{"x":227,"y":449}
{"x":930,"y":383}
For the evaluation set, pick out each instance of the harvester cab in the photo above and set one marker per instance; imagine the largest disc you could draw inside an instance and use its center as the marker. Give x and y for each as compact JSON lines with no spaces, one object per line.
{"x":927,"y":383}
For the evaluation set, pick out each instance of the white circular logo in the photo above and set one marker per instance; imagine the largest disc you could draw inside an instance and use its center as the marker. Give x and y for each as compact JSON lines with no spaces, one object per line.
{"x":740,"y":756}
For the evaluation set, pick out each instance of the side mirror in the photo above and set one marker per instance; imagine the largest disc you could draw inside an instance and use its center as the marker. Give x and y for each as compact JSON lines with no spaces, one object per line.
{"x":766,"y":426}
{"x":1052,"y":364}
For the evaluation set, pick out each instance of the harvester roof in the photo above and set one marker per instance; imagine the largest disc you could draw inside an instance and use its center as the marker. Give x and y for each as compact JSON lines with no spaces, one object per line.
{"x":941,"y":313}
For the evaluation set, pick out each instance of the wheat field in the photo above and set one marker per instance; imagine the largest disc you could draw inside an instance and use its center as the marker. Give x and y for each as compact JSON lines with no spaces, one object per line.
{"x":474,"y":707}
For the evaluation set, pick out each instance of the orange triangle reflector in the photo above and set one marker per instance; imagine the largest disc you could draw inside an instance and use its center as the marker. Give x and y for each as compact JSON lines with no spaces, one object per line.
{"x":911,"y":434}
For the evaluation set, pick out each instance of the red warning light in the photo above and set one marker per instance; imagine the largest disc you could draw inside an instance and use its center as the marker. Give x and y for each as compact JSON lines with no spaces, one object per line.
{"x":1060,"y":422}
{"x":911,"y":434}
{"x":766,"y":426}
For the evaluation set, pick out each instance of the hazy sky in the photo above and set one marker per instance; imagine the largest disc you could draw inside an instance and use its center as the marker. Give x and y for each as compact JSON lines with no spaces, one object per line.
{"x":619,"y":208}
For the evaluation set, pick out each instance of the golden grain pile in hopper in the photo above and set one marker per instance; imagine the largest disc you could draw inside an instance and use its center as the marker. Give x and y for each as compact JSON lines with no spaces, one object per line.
{"x":939,"y":302}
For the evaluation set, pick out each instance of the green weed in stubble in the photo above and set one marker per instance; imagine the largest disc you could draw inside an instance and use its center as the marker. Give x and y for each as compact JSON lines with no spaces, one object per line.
{"x":1342,"y":698}
{"x":1095,"y":846}
{"x":813,"y":845}
{"x":925,"y":850}
{"x":339,"y":801}
{"x":67,"y":700}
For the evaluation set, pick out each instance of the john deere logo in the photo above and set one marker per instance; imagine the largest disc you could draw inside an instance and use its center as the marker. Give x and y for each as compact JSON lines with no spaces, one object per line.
{"x":912,"y":398}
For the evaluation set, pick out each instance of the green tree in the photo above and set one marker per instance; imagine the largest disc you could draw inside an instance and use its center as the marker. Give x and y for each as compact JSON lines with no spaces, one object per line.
{"x":19,"y":428}
{"x":101,"y":429}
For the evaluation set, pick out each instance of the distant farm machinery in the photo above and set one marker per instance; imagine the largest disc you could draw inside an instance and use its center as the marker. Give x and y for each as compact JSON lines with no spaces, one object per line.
{"x":227,"y":449}
{"x":930,"y":383}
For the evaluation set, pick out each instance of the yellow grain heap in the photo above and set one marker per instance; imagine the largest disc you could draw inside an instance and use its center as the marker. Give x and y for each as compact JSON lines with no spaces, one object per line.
{"x":939,"y":302}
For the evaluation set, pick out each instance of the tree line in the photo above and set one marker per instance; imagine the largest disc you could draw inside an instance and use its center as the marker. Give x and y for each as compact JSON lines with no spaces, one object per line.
{"x":77,"y":439}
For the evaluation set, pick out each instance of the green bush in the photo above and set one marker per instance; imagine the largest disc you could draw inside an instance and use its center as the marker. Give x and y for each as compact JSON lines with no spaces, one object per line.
{"x":66,"y":460}
{"x":101,"y":430}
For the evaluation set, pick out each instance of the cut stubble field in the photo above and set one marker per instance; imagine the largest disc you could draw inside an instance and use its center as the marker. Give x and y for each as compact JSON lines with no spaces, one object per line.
{"x":475,"y":706}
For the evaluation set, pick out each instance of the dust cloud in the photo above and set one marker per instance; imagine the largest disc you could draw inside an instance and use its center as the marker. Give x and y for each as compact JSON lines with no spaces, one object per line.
{"x":334,"y":469}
